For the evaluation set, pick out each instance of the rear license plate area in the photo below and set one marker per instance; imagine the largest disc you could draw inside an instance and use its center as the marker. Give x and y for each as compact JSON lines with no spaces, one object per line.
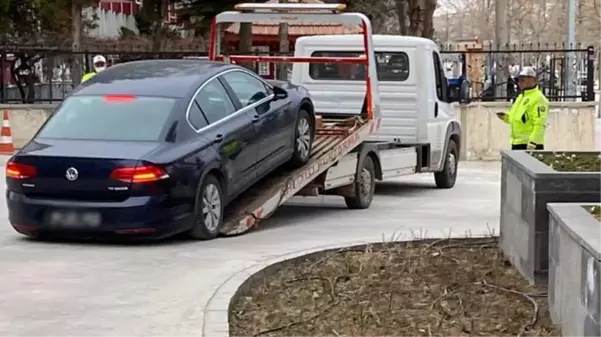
{"x":73,"y":219}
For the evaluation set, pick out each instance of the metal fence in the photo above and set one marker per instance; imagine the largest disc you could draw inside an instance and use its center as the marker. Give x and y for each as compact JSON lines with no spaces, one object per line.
{"x":492,"y":70}
{"x":41,"y":74}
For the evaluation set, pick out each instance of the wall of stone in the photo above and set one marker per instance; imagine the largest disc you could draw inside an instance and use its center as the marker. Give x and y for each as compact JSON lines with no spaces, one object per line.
{"x":527,"y":186}
{"x":571,"y":127}
{"x":26,"y":119}
{"x":574,"y":269}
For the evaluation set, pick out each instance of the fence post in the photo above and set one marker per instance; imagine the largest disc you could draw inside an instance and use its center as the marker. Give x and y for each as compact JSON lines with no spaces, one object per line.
{"x":87,"y":61}
{"x":590,"y":74}
{"x":50,"y":70}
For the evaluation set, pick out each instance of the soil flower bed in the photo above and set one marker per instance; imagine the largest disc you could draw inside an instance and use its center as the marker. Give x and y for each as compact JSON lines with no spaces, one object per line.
{"x":441,"y":288}
{"x":570,"y":162}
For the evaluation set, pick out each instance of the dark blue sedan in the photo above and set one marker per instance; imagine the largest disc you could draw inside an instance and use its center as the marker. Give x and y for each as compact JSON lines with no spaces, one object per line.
{"x":154,"y":148}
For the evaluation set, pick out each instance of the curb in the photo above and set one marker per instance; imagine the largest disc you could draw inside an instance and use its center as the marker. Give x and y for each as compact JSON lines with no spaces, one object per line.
{"x":216,"y":311}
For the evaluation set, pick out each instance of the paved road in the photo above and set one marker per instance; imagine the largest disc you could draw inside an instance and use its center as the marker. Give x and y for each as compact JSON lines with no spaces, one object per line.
{"x":92,"y":289}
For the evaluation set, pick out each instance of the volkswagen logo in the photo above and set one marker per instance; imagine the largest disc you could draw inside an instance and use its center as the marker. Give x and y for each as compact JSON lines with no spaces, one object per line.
{"x":71,"y":174}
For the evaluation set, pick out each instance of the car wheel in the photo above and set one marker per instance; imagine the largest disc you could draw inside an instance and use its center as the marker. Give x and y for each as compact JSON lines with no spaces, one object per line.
{"x":365,"y":186}
{"x":303,"y":140}
{"x":208,"y":211}
{"x":447,"y":177}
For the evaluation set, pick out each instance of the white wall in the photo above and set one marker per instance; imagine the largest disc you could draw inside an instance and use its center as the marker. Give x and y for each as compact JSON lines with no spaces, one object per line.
{"x":109,"y":23}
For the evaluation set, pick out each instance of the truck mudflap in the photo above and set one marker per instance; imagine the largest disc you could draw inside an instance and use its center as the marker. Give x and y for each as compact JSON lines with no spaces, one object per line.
{"x":332,"y":142}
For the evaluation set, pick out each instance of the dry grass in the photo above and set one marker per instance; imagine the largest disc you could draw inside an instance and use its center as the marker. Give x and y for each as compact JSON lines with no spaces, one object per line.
{"x":570,"y":162}
{"x":448,"y":287}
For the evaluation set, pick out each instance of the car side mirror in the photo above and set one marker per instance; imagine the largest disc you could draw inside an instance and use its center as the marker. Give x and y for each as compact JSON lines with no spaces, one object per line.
{"x":459,"y":91}
{"x":279,"y":93}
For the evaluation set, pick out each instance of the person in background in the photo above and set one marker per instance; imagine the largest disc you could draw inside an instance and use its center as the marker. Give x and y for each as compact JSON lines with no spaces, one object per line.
{"x":527,"y":117}
{"x":99,"y":64}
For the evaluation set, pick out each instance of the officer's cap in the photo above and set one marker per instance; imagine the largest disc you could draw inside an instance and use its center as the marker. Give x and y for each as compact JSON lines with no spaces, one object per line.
{"x":527,"y":72}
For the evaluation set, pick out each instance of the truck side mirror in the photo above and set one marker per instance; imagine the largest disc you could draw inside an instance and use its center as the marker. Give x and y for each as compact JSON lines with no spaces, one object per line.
{"x":459,"y":91}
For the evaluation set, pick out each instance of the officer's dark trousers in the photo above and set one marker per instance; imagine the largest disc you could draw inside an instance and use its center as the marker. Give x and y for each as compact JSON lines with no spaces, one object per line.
{"x":525,"y":147}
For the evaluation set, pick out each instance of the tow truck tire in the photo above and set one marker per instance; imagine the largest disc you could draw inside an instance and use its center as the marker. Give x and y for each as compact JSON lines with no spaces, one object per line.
{"x":447,"y":177}
{"x":208,"y":210}
{"x":365,"y":186}
{"x":303,"y":140}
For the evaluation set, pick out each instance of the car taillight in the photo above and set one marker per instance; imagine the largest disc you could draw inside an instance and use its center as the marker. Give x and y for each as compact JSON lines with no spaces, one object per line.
{"x":20,"y":171}
{"x":119,"y":98}
{"x":139,"y":174}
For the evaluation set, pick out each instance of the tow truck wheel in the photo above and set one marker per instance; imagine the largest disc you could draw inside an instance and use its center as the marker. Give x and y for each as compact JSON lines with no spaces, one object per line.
{"x":447,"y":177}
{"x":365,"y":186}
{"x":303,"y":140}
{"x":208,"y":212}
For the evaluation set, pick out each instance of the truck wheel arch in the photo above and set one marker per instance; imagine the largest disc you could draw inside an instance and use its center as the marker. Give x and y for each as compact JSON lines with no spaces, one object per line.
{"x":371,"y":151}
{"x":453,"y":133}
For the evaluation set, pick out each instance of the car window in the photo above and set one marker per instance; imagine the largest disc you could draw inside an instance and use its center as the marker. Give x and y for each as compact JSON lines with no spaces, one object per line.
{"x":391,"y":66}
{"x":214,"y":101}
{"x":248,"y":89}
{"x":196,"y":117}
{"x":128,"y":118}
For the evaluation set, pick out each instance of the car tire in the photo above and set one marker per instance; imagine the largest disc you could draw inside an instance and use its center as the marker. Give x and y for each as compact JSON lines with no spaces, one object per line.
{"x":447,"y":177}
{"x":208,"y":210}
{"x":303,"y":140}
{"x":365,"y":186}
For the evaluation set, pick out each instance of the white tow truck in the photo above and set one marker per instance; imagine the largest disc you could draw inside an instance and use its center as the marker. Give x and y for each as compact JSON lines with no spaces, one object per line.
{"x":359,"y":137}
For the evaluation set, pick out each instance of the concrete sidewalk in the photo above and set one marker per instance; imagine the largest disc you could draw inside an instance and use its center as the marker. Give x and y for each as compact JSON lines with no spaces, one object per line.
{"x":163,"y":289}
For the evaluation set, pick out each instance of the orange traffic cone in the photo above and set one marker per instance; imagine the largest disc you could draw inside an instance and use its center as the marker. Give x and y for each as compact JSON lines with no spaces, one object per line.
{"x":6,"y":139}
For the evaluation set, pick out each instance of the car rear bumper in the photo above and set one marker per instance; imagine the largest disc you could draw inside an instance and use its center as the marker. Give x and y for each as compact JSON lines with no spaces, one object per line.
{"x":136,"y":216}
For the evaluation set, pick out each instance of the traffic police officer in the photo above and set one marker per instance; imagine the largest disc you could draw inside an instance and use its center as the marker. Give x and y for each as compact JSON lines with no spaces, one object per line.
{"x":527,"y":117}
{"x":99,"y":63}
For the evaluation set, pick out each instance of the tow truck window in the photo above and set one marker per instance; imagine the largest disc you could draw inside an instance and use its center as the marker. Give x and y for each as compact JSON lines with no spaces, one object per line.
{"x":391,"y":66}
{"x":440,"y":78}
{"x":119,"y":117}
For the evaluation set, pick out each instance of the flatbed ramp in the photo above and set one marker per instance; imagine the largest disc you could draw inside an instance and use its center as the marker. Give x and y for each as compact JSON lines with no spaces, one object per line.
{"x":335,"y":139}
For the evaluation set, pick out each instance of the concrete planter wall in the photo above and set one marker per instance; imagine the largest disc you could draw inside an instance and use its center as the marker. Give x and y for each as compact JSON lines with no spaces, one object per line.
{"x":527,"y":186}
{"x":574,"y":270}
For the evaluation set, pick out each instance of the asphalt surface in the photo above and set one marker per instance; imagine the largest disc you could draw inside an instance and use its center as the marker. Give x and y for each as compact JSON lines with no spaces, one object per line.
{"x":69,"y":289}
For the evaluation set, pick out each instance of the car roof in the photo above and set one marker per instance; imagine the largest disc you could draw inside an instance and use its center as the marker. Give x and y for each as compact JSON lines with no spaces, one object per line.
{"x":168,"y":78}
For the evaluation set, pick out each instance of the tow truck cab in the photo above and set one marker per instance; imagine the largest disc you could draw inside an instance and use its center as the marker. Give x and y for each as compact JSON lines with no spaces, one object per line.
{"x":415,"y":97}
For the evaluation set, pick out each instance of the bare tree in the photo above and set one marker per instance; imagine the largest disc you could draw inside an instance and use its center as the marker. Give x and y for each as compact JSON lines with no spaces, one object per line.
{"x":284,"y":47}
{"x":530,"y":21}
{"x":405,"y":17}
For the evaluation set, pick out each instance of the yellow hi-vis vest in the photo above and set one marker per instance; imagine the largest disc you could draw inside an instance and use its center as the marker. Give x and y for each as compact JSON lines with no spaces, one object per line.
{"x":87,"y":76}
{"x":527,"y":117}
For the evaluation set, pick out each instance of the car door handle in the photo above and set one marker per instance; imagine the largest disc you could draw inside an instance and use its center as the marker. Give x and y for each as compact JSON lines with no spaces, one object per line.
{"x":218,"y":139}
{"x":435,"y":109}
{"x":256,"y":118}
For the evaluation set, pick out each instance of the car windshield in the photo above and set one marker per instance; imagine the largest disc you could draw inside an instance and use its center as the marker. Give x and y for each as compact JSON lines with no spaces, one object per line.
{"x":111,"y":117}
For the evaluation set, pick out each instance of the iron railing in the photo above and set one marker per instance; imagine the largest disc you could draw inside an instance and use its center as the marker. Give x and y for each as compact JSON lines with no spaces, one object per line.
{"x":492,"y":70}
{"x":31,"y":74}
{"x":40,"y":74}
